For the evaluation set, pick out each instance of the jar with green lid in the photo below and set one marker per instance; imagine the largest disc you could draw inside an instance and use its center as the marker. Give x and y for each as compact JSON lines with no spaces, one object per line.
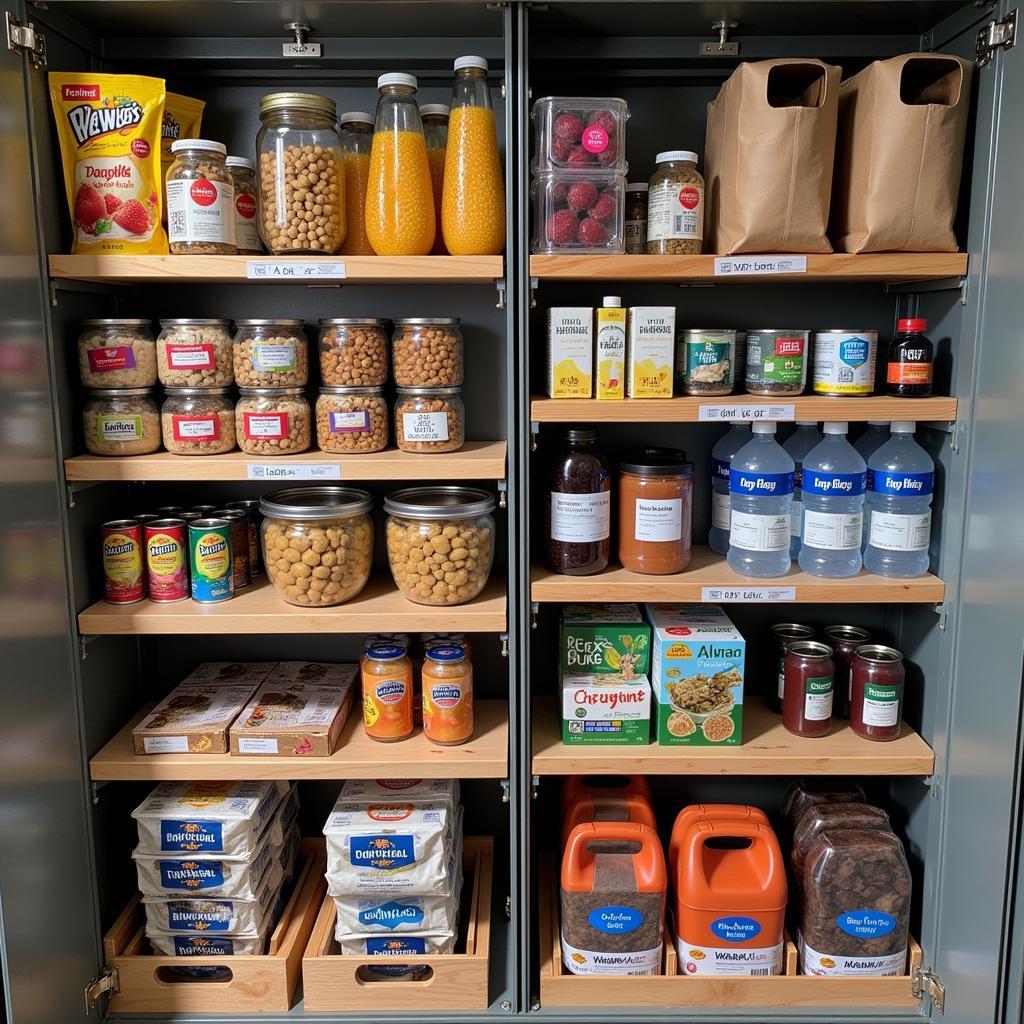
{"x":675,"y":205}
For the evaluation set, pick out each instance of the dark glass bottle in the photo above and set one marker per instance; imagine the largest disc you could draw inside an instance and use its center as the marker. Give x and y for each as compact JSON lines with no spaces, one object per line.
{"x":578,"y":507}
{"x":911,"y":362}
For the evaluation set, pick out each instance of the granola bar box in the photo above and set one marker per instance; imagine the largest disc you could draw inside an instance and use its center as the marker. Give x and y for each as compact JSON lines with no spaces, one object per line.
{"x":192,"y":719}
{"x":697,"y":670}
{"x":600,"y":709}
{"x":608,"y":639}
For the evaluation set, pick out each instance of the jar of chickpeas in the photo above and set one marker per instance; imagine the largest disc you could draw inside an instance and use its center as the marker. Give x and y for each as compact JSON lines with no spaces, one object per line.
{"x":430,"y":420}
{"x":351,"y":420}
{"x":270,"y":353}
{"x":353,"y":352}
{"x":317,"y":543}
{"x":272,"y":421}
{"x":427,"y":352}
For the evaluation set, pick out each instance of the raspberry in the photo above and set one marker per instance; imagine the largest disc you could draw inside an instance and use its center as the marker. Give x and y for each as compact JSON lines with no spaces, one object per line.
{"x":579,"y":157}
{"x":604,"y":209}
{"x":112,"y":202}
{"x":592,"y":232}
{"x":89,"y":206}
{"x":605,"y":119}
{"x":560,"y":192}
{"x":560,"y":149}
{"x":608,"y":155}
{"x":568,"y":126}
{"x":561,"y":227}
{"x":132,"y":216}
{"x":582,"y":195}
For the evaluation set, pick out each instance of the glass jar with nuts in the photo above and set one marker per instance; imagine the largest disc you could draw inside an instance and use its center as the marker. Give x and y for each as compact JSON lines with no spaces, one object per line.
{"x":247,"y":229}
{"x":198,"y":421}
{"x":353,"y":352}
{"x":200,"y":199}
{"x":270,"y":353}
{"x":427,"y":352}
{"x":430,"y":419}
{"x":272,"y":421}
{"x":317,"y":543}
{"x":116,"y":354}
{"x":301,"y":181}
{"x":440,"y":542}
{"x":350,"y":420}
{"x":121,"y":421}
{"x":194,"y":353}
{"x":675,"y":205}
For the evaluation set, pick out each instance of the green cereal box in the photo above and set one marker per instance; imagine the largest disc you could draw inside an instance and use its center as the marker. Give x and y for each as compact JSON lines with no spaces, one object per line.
{"x":697,"y":667}
{"x":600,"y":709}
{"x":603,"y":639}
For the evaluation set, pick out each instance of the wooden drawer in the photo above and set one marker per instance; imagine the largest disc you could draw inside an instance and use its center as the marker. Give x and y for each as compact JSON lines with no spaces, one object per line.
{"x":150,"y":984}
{"x":458,"y":981}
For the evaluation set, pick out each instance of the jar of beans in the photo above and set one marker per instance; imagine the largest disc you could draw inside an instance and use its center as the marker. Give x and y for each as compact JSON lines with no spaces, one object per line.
{"x":194,"y":353}
{"x":270,"y":353}
{"x":353,"y":352}
{"x":427,"y":352}
{"x":272,"y":421}
{"x":116,"y":354}
{"x":350,"y":420}
{"x":121,"y":421}
{"x":301,"y":179}
{"x":198,"y":421}
{"x":430,"y":419}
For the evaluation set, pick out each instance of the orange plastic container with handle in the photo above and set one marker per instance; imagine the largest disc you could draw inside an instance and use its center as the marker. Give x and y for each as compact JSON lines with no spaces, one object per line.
{"x":608,"y":807}
{"x":587,"y":787}
{"x":690,"y":815}
{"x":730,"y":900}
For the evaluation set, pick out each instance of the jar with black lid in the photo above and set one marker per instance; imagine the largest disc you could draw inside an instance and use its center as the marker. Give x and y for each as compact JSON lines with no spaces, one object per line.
{"x":578,"y":510}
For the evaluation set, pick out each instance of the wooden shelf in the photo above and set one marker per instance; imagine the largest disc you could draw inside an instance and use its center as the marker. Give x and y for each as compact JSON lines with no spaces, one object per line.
{"x":767,"y":749}
{"x":233,"y":269}
{"x":259,"y":610}
{"x":477,"y":460}
{"x":895,"y":267}
{"x":708,"y":570}
{"x":485,"y":756}
{"x":688,"y":410}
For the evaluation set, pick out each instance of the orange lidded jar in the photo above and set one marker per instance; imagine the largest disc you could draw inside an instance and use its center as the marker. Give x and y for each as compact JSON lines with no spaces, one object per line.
{"x":387,"y":692}
{"x":655,"y":511}
{"x":435,"y":131}
{"x":447,"y":694}
{"x":399,"y":196}
{"x":356,"y":141}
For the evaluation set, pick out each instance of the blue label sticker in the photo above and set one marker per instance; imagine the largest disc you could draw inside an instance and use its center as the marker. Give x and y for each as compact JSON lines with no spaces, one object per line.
{"x":392,"y":914}
{"x":866,"y":924}
{"x":843,"y":485}
{"x":906,"y":485}
{"x":720,"y":469}
{"x":382,"y":853}
{"x":615,"y":920}
{"x":177,"y":836}
{"x":208,"y":916}
{"x":396,"y":945}
{"x":199,"y":945}
{"x":189,"y":875}
{"x":736,"y":929}
{"x":760,"y":485}
{"x":853,"y":351}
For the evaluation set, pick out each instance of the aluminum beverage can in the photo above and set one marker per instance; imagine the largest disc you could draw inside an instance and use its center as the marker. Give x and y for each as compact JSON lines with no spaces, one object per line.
{"x":239,"y":521}
{"x":124,"y":581}
{"x":167,"y":560}
{"x":209,"y":546}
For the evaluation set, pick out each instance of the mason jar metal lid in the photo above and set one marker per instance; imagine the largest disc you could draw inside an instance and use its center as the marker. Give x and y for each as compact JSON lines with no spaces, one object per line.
{"x":276,"y":102}
{"x":185,"y":392}
{"x":355,"y":117}
{"x":427,"y":320}
{"x":116,"y":322}
{"x":282,"y":321}
{"x":365,"y":389}
{"x":120,"y":392}
{"x":810,"y":649}
{"x":435,"y":110}
{"x":270,"y":392}
{"x":316,"y":503}
{"x":878,"y":652}
{"x":241,"y":161}
{"x":443,"y":502}
{"x":673,"y":155}
{"x":194,"y":322}
{"x":429,"y":391}
{"x":206,"y":145}
{"x":352,"y":321}
{"x":657,"y":462}
{"x":637,"y":186}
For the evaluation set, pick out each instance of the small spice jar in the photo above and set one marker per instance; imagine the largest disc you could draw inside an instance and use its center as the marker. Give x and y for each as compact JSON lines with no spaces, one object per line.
{"x":706,"y":361}
{"x":776,"y":362}
{"x":427,"y":352}
{"x":783,"y":633}
{"x":247,"y":231}
{"x":447,"y":676}
{"x":876,"y":694}
{"x":675,"y":205}
{"x":198,"y":421}
{"x":200,"y":199}
{"x":356,"y":141}
{"x":386,"y":675}
{"x":272,"y":421}
{"x":635,"y":227}
{"x":353,"y":352}
{"x":351,"y":420}
{"x":578,"y":509}
{"x":655,"y":511}
{"x":270,"y":354}
{"x":195,"y":353}
{"x":807,"y":702}
{"x":844,"y":641}
{"x":430,"y":419}
{"x":121,"y":421}
{"x":116,"y":353}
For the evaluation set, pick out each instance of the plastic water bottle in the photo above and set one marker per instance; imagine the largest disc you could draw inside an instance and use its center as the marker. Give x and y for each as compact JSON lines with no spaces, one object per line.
{"x":721,"y":455}
{"x":800,"y":442}
{"x":835,"y":477}
{"x":760,"y":495}
{"x":873,"y":438}
{"x":901,"y":478}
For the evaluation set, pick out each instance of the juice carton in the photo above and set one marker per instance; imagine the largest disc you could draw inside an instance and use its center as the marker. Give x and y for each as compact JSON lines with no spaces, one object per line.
{"x":611,"y":349}
{"x":571,"y":352}
{"x":604,"y":639}
{"x":602,"y":709}
{"x":651,"y":356}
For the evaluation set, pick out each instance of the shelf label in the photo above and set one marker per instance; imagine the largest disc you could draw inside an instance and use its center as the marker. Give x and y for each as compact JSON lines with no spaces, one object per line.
{"x":294,"y":270}
{"x":293,"y":471}
{"x":300,"y":49}
{"x":748,"y":594}
{"x":744,"y":266}
{"x":726,"y":412}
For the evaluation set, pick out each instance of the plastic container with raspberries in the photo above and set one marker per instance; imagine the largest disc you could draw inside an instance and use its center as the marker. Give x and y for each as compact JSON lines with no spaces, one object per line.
{"x":581,"y":133}
{"x":579,"y":213}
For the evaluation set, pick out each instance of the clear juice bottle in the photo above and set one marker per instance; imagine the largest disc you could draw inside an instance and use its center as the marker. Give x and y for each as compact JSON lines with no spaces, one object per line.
{"x":435,"y":131}
{"x":399,"y":198}
{"x":473,"y":205}
{"x":356,"y":140}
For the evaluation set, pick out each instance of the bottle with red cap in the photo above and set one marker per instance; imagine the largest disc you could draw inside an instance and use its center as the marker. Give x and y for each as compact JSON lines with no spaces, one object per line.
{"x":911,"y":360}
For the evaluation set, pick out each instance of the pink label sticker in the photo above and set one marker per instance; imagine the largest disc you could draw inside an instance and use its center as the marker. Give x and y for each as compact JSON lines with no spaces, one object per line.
{"x":104,"y":360}
{"x":595,"y":139}
{"x":689,"y":197}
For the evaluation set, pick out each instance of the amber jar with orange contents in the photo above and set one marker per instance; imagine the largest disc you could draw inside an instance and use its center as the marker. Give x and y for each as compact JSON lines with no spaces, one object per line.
{"x":655,"y":511}
{"x":447,"y":694}
{"x":387,"y":692}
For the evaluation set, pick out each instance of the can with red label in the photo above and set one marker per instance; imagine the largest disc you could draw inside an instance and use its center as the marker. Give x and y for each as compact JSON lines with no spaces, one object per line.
{"x":167,"y":560}
{"x":123,"y":576}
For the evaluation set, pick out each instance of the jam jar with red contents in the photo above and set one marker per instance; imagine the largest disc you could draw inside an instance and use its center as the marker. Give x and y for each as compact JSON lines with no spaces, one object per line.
{"x":844,"y":640}
{"x":810,"y":677}
{"x":783,"y":633}
{"x":876,"y":695}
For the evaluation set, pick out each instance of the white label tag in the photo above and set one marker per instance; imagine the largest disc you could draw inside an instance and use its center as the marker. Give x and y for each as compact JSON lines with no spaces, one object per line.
{"x":838,"y":965}
{"x":751,"y":594}
{"x":734,"y":266}
{"x":165,"y":744}
{"x":294,"y":270}
{"x":300,"y":49}
{"x":257,"y":745}
{"x":581,"y":518}
{"x":659,"y":520}
{"x":425,"y":426}
{"x":754,"y":962}
{"x":721,"y":509}
{"x":893,"y":532}
{"x":728,"y":412}
{"x":754,"y":532}
{"x":832,"y":531}
{"x":292,"y":471}
{"x":584,"y":961}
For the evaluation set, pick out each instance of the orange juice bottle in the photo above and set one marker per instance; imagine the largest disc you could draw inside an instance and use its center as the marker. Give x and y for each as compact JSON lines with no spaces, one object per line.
{"x":473,"y":203}
{"x":447,"y":694}
{"x":399,"y":196}
{"x":356,"y":140}
{"x":435,"y":131}
{"x":387,"y":692}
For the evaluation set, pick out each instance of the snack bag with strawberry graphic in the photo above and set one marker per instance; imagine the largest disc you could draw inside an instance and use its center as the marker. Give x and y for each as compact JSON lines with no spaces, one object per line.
{"x":109,"y":130}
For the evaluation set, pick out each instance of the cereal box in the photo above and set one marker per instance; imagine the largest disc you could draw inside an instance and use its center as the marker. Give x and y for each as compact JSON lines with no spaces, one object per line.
{"x":600,"y":709}
{"x":604,"y":638}
{"x":652,"y":351}
{"x":697,"y":669}
{"x":571,"y":352}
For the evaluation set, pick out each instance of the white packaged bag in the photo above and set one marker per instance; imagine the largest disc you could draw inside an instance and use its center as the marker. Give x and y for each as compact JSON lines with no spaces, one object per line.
{"x":206,"y":945}
{"x":396,"y":945}
{"x":413,"y":791}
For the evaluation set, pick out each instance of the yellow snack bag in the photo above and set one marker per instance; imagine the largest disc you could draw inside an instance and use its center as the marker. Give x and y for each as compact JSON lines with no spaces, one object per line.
{"x":109,"y":130}
{"x":183,"y":118}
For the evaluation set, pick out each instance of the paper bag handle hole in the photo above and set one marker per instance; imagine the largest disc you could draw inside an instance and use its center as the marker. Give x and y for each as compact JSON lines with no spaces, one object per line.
{"x":365,"y":975}
{"x":796,"y":85}
{"x":931,"y":80}
{"x":192,"y":976}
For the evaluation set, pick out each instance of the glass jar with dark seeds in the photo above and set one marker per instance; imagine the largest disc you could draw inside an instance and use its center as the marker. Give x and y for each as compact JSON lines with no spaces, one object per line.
{"x":578,"y":506}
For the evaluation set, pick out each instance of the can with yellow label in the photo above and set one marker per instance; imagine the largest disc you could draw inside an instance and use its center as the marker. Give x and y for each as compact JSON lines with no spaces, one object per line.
{"x":209,"y":544}
{"x":167,"y":560}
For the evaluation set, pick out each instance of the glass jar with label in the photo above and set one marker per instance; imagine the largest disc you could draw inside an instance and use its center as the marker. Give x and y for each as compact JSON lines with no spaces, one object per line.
{"x":430,"y":419}
{"x":783,"y":633}
{"x":353,"y":352}
{"x":635,"y":227}
{"x":200,"y":200}
{"x":706,"y":361}
{"x":356,"y":139}
{"x":876,"y":692}
{"x":776,"y":362}
{"x":810,"y":679}
{"x":447,"y":676}
{"x":116,"y":353}
{"x":121,"y":421}
{"x":270,"y":353}
{"x":844,"y":641}
{"x":655,"y":511}
{"x":578,"y":510}
{"x":195,"y":353}
{"x":272,"y":421}
{"x":350,"y":420}
{"x":386,"y":673}
{"x":198,"y":421}
{"x":247,"y":230}
{"x":435,"y":131}
{"x":426,"y":352}
{"x":675,"y":205}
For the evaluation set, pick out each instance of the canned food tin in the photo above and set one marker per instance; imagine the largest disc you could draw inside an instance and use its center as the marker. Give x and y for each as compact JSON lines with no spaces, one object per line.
{"x":239,"y":544}
{"x":191,"y":517}
{"x":844,"y":362}
{"x":706,"y":361}
{"x":169,"y":511}
{"x":776,"y":362}
{"x":145,"y":517}
{"x":167,"y":560}
{"x":205,"y":510}
{"x":209,"y":545}
{"x":123,"y":579}
{"x":251,"y":507}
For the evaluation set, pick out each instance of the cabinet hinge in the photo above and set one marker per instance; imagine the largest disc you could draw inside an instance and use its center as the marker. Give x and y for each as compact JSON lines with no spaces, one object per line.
{"x":105,"y":982}
{"x":925,"y":982}
{"x":996,"y":35}
{"x":24,"y":37}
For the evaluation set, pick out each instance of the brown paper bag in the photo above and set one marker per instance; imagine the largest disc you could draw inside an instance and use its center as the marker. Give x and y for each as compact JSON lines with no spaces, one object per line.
{"x":902,"y":124}
{"x":768,"y":158}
